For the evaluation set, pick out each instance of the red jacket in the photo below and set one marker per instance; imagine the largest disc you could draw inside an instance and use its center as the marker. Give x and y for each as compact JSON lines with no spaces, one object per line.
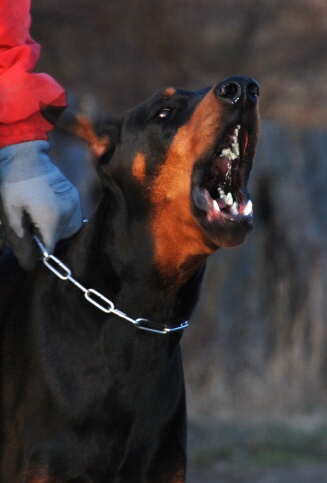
{"x":22,"y":92}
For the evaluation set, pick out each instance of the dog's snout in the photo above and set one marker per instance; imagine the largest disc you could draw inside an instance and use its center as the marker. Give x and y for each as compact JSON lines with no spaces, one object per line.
{"x":238,"y":90}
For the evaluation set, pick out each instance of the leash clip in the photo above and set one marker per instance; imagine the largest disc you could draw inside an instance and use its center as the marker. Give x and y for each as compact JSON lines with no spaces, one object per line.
{"x":143,"y":324}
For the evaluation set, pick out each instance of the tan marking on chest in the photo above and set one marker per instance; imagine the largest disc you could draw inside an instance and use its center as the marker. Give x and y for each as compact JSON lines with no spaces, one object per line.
{"x":179,"y":477}
{"x":40,"y":479}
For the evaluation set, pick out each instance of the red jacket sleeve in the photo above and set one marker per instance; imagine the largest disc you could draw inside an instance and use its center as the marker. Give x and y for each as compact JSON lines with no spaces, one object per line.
{"x":22,"y":91}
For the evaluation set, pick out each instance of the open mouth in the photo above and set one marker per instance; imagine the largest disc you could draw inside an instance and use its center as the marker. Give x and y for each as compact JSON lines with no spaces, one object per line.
{"x":220,"y":187}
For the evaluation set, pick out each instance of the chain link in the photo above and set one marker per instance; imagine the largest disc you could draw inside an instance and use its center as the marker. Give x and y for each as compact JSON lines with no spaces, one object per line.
{"x":97,"y":299}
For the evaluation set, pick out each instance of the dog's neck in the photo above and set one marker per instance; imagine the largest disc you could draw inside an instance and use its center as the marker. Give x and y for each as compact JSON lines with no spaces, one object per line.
{"x":115,"y":258}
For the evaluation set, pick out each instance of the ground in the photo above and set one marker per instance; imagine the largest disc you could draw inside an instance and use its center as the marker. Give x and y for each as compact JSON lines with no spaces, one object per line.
{"x":257,"y":453}
{"x":227,"y":473}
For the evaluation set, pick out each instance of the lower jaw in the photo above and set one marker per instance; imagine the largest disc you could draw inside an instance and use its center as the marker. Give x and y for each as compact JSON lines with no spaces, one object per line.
{"x":210,"y":206}
{"x":228,"y":232}
{"x":224,"y":228}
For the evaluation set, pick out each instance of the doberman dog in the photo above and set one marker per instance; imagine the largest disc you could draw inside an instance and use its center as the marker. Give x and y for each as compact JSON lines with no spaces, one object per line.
{"x":85,"y":395}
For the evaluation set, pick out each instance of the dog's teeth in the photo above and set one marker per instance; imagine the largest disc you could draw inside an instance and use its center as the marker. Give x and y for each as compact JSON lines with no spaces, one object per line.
{"x":235,"y":208}
{"x":215,"y":206}
{"x":229,"y":199}
{"x":236,"y":149}
{"x":248,"y":208}
{"x":221,"y":192}
{"x":235,"y":139}
{"x":227,"y":153}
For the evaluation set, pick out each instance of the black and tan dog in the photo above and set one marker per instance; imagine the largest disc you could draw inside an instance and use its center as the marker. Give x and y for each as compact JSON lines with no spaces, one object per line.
{"x":85,"y":395}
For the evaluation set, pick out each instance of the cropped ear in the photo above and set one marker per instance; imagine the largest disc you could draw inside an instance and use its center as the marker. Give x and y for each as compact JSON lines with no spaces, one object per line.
{"x":81,"y":126}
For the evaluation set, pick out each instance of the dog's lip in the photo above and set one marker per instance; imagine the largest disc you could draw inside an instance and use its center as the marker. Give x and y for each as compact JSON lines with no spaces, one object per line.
{"x":219,"y":191}
{"x":210,"y":207}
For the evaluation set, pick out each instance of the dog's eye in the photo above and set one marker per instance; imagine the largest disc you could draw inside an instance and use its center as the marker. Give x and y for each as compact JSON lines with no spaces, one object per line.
{"x":164,"y":113}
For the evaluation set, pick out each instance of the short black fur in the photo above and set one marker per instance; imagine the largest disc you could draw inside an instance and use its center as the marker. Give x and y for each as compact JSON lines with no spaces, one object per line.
{"x":85,"y":396}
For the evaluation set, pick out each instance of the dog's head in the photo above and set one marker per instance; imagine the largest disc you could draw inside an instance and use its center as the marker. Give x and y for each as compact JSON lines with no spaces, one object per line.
{"x":188,"y":154}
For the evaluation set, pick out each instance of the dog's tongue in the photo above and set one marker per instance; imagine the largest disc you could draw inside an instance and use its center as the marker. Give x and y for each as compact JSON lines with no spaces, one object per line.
{"x":219,"y":174}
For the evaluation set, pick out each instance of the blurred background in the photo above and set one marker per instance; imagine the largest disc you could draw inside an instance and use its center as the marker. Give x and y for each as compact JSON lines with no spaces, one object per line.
{"x":255,"y":354}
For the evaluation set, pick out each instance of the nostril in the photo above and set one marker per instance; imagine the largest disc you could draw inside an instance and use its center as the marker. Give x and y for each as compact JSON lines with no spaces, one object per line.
{"x":239,"y":91}
{"x":253,"y":89}
{"x":230,"y":90}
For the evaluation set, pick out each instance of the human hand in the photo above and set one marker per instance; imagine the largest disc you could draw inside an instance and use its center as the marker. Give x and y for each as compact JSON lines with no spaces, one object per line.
{"x":35,"y":194}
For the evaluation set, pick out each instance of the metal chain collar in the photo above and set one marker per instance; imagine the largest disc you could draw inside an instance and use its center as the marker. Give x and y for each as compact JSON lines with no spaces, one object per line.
{"x":100,"y":301}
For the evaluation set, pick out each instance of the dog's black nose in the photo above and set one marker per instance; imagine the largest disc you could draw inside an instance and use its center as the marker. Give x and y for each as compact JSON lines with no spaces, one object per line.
{"x":238,"y":90}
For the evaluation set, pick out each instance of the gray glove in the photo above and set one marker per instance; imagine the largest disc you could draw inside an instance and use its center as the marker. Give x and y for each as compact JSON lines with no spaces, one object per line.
{"x":35,"y":193}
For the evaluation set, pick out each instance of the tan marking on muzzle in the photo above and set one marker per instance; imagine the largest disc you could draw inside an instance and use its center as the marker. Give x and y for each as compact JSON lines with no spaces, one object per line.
{"x":139,"y":167}
{"x":177,"y":234}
